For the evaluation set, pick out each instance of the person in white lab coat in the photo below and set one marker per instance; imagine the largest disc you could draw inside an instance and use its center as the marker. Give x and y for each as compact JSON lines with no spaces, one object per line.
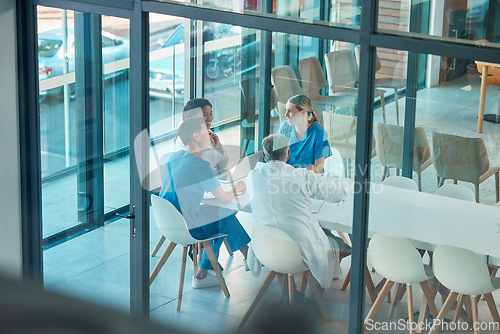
{"x":280,"y":197}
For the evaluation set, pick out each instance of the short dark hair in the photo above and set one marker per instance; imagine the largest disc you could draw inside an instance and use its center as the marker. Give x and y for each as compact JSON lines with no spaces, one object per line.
{"x":189,"y":127}
{"x":190,"y":109}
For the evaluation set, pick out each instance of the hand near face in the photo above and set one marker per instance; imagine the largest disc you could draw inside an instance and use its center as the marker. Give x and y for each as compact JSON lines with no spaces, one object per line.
{"x":215,"y":140}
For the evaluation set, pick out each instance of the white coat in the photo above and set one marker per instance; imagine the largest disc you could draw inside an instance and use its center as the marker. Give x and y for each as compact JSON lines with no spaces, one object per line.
{"x":280,"y":197}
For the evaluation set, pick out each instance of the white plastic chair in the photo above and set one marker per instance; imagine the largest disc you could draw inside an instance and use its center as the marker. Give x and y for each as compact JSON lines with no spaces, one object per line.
{"x":456,"y":191}
{"x":399,"y":262}
{"x":173,"y":226}
{"x":278,"y":252}
{"x":230,"y":149}
{"x":464,"y":273}
{"x":334,"y":164}
{"x":400,"y":182}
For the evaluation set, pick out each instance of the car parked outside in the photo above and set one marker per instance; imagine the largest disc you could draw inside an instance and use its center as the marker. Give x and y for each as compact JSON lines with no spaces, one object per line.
{"x":51,"y":56}
{"x":166,"y":76}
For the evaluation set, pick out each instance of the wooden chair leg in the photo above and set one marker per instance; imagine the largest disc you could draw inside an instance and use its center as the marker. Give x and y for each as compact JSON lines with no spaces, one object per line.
{"x":158,"y":245}
{"x":227,"y":247}
{"x":181,"y":283}
{"x":302,"y":283}
{"x":384,"y":174}
{"x":346,"y":280}
{"x":475,"y":317}
{"x":409,"y":297}
{"x":476,"y":187}
{"x":195,"y":258}
{"x":444,"y":310}
{"x":369,"y":285}
{"x":458,"y":310}
{"x":378,"y":302}
{"x":492,"y":306}
{"x":162,"y":261}
{"x":258,"y":297}
{"x":200,"y":251}
{"x":215,"y":266}
{"x":429,"y":297}
{"x":316,"y":294}
{"x":394,"y":302}
{"x":419,"y":181}
{"x":291,"y":289}
{"x":284,"y":285}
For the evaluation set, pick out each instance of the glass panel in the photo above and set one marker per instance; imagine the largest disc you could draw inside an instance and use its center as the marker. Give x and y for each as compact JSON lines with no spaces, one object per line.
{"x":345,"y":13}
{"x":115,"y":57}
{"x":221,"y":63}
{"x":429,"y":210}
{"x":465,"y":20}
{"x":84,"y":255}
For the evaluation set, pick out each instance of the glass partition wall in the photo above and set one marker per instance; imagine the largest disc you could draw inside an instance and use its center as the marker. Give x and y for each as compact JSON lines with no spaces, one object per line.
{"x":84,"y":138}
{"x":400,"y":108}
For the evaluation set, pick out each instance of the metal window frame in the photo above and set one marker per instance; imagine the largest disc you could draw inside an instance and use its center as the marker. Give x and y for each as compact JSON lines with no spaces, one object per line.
{"x":367,"y":36}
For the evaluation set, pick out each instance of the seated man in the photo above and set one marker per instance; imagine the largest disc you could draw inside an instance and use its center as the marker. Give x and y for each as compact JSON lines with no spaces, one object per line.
{"x":280,"y":196}
{"x":187,"y":177}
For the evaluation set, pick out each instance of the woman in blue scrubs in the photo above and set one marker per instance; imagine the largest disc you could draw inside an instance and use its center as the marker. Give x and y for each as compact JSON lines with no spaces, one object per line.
{"x":309,"y":145}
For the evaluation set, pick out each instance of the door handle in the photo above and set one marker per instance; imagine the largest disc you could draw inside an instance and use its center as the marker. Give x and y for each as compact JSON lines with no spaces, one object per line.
{"x":131,"y":216}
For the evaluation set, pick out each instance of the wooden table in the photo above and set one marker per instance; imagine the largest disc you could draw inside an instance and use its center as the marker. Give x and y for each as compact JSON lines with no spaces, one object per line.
{"x":482,"y":94}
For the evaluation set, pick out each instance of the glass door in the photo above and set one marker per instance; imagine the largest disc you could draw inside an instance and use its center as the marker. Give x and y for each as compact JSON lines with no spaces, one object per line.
{"x":84,"y":120}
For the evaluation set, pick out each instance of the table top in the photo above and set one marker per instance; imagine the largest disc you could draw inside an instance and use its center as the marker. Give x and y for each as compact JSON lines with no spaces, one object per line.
{"x":427,"y":220}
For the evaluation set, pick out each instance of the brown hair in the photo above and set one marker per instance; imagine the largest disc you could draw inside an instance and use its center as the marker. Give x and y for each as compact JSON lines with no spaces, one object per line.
{"x":302,"y":102}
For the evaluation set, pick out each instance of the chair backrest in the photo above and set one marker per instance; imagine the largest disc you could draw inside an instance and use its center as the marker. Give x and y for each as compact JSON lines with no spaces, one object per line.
{"x":170,"y":221}
{"x":312,"y":75}
{"x":285,"y":83}
{"x":276,"y":250}
{"x":341,"y":130}
{"x":400,"y":182}
{"x":389,"y":144}
{"x":456,"y":191}
{"x":341,"y":71}
{"x":333,"y":164}
{"x":378,"y":64}
{"x":461,"y":270}
{"x":459,"y":158}
{"x":396,"y":259}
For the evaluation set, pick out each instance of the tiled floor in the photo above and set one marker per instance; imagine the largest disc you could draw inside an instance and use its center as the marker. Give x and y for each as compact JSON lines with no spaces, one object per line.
{"x":95,"y":266}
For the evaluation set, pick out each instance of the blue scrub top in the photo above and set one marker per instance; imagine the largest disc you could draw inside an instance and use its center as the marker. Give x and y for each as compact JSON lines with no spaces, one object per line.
{"x":186,"y":178}
{"x":312,"y":146}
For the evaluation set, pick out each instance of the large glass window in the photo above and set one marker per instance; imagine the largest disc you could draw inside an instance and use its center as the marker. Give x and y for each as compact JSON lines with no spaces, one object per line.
{"x":434,"y":203}
{"x":84,"y":125}
{"x":467,"y":20}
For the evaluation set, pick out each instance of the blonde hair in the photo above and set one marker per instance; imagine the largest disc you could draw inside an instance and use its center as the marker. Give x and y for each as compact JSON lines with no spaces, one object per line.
{"x":302,"y":102}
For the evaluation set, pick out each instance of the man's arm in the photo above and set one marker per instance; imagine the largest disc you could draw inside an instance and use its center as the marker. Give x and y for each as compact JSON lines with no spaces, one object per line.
{"x":328,"y":190}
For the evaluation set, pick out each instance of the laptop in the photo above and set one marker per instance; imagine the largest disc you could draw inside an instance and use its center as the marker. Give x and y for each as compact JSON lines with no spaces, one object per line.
{"x":242,"y":168}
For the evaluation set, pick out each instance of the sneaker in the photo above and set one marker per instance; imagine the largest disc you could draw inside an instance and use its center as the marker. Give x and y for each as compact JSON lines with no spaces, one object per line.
{"x":247,"y":268}
{"x":207,"y":282}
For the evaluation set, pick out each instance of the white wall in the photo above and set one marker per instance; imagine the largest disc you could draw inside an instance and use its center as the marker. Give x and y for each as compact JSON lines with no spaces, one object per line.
{"x":10,"y":206}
